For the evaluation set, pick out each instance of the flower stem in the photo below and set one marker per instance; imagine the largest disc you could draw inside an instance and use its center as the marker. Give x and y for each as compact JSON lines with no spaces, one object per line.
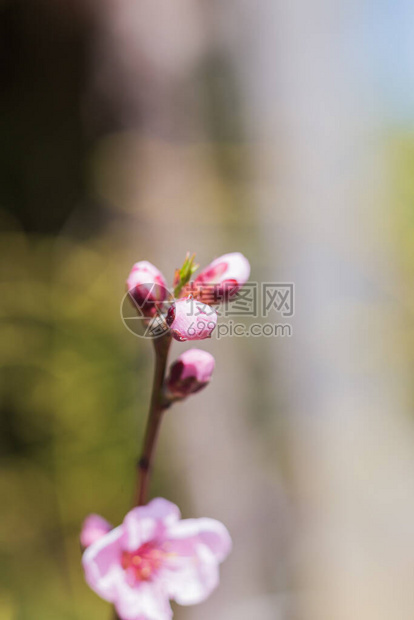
{"x":157,"y":408}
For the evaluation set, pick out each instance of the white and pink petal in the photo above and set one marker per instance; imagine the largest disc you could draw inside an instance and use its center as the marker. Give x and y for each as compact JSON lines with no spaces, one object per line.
{"x":222,"y":279}
{"x":149,"y":522}
{"x":93,"y":528}
{"x":196,"y":547}
{"x":101,"y":563}
{"x":145,"y":601}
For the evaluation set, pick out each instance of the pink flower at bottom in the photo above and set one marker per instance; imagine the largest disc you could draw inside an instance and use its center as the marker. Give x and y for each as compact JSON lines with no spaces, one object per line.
{"x":154,"y":557}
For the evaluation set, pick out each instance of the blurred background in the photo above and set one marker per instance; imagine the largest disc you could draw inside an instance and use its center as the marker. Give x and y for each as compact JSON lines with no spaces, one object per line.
{"x":140,"y":130}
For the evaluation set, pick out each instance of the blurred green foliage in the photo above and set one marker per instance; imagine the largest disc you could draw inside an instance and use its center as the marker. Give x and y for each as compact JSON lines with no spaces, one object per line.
{"x":74,"y":397}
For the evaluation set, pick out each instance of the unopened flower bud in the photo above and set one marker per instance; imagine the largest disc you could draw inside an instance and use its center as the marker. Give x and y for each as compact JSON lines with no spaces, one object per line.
{"x":93,"y":528}
{"x":190,"y":319}
{"x":189,"y":373}
{"x":222,"y":279}
{"x":147,"y":287}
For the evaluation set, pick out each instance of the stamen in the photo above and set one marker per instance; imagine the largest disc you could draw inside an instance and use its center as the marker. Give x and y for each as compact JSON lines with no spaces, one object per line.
{"x":144,"y":563}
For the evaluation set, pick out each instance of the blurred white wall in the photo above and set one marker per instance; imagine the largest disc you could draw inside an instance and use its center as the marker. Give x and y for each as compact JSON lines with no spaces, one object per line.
{"x":311,"y":103}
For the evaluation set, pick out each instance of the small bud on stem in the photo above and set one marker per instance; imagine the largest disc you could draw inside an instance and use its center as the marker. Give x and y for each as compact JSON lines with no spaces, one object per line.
{"x":190,"y":373}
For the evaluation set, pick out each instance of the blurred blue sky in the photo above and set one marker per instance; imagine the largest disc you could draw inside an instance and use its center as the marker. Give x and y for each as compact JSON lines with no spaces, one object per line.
{"x":389,"y":34}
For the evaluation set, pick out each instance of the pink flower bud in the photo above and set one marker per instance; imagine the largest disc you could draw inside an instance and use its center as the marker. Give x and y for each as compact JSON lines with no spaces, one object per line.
{"x":190,"y":319}
{"x":223,"y":278}
{"x":93,"y":528}
{"x":147,"y":287}
{"x":190,"y":373}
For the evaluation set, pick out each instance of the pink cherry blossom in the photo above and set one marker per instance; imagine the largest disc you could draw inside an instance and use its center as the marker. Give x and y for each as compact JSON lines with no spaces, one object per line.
{"x":93,"y":528}
{"x":154,"y":557}
{"x":147,"y":287}
{"x":222,"y":279}
{"x":190,"y":319}
{"x":190,"y":372}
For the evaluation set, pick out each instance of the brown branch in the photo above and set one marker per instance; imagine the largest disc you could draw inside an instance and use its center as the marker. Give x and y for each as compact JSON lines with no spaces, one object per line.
{"x":157,"y":408}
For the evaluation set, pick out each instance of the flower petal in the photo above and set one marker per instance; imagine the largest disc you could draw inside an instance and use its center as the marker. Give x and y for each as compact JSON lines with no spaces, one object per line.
{"x":101,"y":563}
{"x":189,"y":373}
{"x":222,"y":279}
{"x":196,"y":547}
{"x":145,"y":523}
{"x":232,"y":266}
{"x":190,"y":319}
{"x":146,"y":601}
{"x":147,"y":288}
{"x":93,"y":527}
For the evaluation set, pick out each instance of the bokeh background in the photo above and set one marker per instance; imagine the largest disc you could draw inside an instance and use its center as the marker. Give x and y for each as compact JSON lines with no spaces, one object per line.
{"x":140,"y":130}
